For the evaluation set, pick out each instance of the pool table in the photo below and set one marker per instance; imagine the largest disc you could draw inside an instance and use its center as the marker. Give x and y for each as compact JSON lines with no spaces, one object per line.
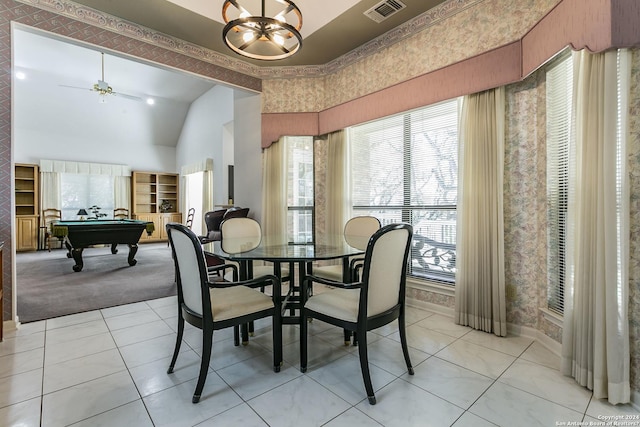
{"x":81,"y":234}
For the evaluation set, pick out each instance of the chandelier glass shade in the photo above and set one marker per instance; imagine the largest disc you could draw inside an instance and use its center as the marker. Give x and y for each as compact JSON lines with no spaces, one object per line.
{"x":262,"y":29}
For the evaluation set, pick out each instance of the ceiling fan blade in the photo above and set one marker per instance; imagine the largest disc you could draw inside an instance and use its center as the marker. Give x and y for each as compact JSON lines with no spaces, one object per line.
{"x":124,"y":95}
{"x":77,"y":87}
{"x":103,"y":87}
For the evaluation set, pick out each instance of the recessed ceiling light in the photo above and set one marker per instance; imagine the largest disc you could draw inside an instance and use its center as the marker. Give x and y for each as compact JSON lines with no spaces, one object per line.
{"x":20,"y":75}
{"x":150,"y":101}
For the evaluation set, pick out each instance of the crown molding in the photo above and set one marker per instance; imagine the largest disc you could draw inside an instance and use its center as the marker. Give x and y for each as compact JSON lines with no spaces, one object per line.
{"x":121,"y":26}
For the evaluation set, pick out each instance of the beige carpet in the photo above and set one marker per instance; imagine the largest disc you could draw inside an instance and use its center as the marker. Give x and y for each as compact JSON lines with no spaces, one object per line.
{"x":47,"y":286}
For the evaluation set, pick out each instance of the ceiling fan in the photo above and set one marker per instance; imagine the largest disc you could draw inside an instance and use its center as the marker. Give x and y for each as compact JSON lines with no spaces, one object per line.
{"x":103,"y":89}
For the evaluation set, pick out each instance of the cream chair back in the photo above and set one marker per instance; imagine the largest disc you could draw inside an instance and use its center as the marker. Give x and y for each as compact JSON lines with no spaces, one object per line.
{"x":120,"y":213}
{"x":189,"y":268}
{"x":358,"y":231}
{"x":240,"y":235}
{"x":386,"y":267}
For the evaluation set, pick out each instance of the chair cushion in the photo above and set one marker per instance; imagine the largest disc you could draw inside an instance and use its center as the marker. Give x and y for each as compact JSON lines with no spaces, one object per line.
{"x":236,"y":301}
{"x":332,"y":272}
{"x":262,"y":270}
{"x":338,"y":303}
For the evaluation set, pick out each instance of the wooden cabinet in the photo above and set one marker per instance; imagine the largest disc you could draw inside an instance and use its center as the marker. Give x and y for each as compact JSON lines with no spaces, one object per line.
{"x":159,"y":223}
{"x":27,"y":237}
{"x":151,"y":192}
{"x":27,"y":209}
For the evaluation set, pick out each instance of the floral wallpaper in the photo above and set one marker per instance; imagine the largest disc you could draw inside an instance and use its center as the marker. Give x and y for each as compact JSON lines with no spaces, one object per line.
{"x":634,"y":225}
{"x":494,"y":23}
{"x":525,"y":201}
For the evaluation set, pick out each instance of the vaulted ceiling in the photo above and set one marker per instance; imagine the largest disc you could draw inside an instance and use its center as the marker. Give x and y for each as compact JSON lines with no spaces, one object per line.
{"x":60,"y":73}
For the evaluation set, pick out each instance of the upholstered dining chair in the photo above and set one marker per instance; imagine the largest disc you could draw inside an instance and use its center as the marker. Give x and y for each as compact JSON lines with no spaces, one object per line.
{"x":242,"y":234}
{"x":250,"y":233}
{"x":120,"y":213}
{"x":369,"y":304}
{"x":211,"y":306}
{"x":213,"y":219}
{"x":357,"y":232}
{"x":48,"y":216}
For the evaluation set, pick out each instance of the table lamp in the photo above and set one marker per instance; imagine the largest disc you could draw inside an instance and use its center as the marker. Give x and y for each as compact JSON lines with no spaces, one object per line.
{"x":82,"y":213}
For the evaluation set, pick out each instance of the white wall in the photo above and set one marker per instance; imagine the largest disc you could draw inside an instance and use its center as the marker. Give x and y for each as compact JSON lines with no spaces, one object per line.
{"x":202,"y":135}
{"x":30,"y":146}
{"x":248,"y":153}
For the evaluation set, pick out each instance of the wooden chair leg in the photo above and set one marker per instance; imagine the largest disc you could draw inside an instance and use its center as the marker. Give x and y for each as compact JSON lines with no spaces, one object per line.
{"x":207,"y":342}
{"x":303,"y":342}
{"x":176,"y":351}
{"x":403,"y":342}
{"x":347,"y":336}
{"x":245,"y":333}
{"x":277,"y":342}
{"x":236,"y":335}
{"x":364,"y":367}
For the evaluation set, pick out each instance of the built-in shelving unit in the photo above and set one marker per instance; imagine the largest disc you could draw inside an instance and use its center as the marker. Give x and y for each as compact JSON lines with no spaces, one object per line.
{"x":149,"y":190}
{"x":27,"y":211}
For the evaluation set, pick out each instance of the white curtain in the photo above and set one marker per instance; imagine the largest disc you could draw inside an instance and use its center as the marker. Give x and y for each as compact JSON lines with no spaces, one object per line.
{"x":50,"y":190}
{"x":197,"y":192}
{"x":337,"y":185}
{"x":480,"y":287}
{"x":122,"y":192}
{"x":595,"y":342}
{"x":274,"y":191}
{"x":50,"y":170}
{"x":207,"y":198}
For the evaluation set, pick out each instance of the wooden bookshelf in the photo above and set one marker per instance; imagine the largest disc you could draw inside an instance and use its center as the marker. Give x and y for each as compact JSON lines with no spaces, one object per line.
{"x":27,"y":210}
{"x":148,"y":191}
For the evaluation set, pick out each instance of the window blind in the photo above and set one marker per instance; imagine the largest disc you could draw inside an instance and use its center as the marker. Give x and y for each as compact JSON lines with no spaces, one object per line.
{"x":559,"y":96}
{"x":405,"y":169}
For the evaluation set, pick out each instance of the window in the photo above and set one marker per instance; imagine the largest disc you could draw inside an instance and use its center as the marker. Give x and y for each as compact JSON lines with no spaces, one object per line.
{"x":405,"y":168}
{"x":558,"y":104}
{"x":299,"y":189}
{"x":561,"y":163}
{"x":80,"y":191}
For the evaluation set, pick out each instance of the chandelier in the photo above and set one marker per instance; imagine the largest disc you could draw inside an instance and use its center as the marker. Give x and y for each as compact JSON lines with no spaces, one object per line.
{"x":272,"y":34}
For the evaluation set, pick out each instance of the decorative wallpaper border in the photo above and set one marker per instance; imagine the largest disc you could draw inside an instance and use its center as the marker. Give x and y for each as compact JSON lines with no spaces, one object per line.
{"x":121,"y":26}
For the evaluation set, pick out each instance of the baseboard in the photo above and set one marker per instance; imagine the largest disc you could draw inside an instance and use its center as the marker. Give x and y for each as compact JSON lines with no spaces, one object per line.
{"x":424,"y":305}
{"x":9,"y":326}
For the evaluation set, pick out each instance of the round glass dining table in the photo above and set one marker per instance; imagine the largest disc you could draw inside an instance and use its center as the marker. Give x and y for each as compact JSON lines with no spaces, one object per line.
{"x":246,"y":250}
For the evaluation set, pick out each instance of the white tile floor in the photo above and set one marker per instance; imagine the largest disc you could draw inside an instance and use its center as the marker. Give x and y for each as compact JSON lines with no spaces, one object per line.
{"x":108,"y":368}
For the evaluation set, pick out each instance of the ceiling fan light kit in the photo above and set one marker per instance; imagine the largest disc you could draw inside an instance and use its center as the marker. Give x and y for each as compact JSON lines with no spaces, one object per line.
{"x":271,"y":34}
{"x":104,"y":90}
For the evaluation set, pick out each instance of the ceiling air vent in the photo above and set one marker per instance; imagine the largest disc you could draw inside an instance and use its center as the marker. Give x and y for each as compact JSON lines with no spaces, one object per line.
{"x":384,"y":9}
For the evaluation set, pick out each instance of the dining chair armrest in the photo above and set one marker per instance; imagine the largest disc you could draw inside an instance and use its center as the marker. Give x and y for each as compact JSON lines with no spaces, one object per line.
{"x":354,"y":261}
{"x":355,"y":266}
{"x":222,"y":267}
{"x":257,"y":282}
{"x":333,"y":283}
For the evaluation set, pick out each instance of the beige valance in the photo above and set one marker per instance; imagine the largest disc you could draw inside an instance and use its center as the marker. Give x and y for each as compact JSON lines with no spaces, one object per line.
{"x":63,"y":166}
{"x":203,"y":165}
